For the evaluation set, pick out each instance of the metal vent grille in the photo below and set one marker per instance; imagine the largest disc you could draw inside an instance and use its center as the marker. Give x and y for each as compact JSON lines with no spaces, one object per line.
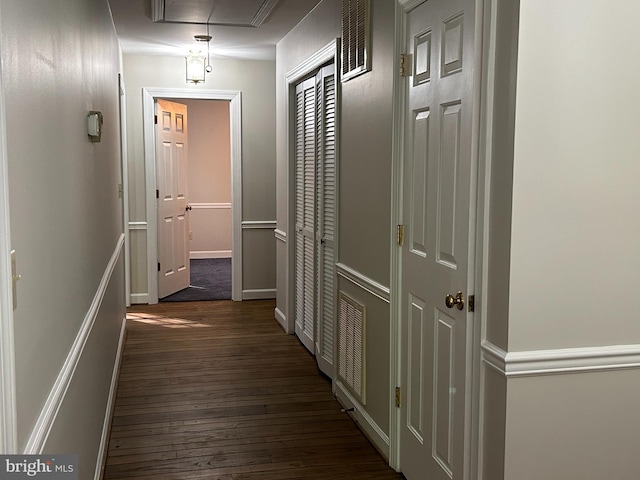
{"x":351,"y":340}
{"x":355,"y":38}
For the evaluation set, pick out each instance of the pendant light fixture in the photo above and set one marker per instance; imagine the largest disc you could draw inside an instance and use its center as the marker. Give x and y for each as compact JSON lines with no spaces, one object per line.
{"x":196,"y":66}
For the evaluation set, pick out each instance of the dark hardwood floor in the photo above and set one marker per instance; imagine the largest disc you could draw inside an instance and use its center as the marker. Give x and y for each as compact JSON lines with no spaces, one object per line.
{"x":216,"y":390}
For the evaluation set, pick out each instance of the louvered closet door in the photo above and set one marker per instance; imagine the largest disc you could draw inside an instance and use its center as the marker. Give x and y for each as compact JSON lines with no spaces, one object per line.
{"x":325,"y":207}
{"x":305,"y":212}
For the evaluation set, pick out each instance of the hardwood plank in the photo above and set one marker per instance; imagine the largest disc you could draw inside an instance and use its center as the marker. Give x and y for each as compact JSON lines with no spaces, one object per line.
{"x":217,"y":391}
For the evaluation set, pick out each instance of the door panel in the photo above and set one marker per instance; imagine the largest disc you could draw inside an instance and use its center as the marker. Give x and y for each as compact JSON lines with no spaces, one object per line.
{"x":326,"y":205}
{"x":173,"y":222}
{"x":435,"y":259}
{"x":315,"y":215}
{"x":305,"y":212}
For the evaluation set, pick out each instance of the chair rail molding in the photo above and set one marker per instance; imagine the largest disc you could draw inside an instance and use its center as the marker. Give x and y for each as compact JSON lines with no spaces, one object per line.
{"x":561,"y":360}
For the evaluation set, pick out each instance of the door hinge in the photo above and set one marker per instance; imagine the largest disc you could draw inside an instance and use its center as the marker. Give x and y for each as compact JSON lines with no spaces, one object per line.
{"x":157,"y":193}
{"x":404,"y":65}
{"x":400,"y":235}
{"x":158,"y":266}
{"x":398,"y":397}
{"x":471,"y":303}
{"x":155,"y":119}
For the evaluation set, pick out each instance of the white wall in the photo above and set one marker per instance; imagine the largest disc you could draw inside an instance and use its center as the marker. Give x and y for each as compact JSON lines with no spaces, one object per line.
{"x":256,"y":81}
{"x":60,"y":60}
{"x":209,"y":178}
{"x":574,"y":262}
{"x":576,"y":171}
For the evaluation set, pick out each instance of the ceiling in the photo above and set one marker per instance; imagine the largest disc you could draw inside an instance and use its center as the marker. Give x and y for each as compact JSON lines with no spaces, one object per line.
{"x":246,"y":29}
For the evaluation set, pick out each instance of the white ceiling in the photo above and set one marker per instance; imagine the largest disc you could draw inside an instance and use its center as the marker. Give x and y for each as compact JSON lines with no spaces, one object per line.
{"x":139,"y":34}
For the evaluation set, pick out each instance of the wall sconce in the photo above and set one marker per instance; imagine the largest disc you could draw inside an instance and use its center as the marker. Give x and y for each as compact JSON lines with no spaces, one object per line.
{"x":196,"y":66}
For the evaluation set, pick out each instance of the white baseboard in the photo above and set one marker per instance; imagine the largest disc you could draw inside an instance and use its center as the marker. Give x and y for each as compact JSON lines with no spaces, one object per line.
{"x":108,"y":416}
{"x":210,"y":254}
{"x":259,"y":294}
{"x":38,"y":437}
{"x":370,"y":428}
{"x":282,"y":319}
{"x":139,"y":298}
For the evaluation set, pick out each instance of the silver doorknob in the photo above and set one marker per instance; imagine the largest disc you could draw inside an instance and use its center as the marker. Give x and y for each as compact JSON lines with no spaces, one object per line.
{"x":458,"y":301}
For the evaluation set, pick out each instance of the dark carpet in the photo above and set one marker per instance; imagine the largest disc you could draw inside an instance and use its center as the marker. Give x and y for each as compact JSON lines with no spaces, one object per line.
{"x":210,"y":280}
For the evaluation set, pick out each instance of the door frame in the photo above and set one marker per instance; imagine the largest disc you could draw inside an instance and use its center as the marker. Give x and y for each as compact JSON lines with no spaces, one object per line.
{"x":8,"y":410}
{"x":292,"y":77}
{"x":149,"y":96}
{"x":479,"y":208}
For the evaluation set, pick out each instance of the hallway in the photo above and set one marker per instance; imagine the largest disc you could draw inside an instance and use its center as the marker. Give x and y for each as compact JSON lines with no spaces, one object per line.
{"x":217,"y":390}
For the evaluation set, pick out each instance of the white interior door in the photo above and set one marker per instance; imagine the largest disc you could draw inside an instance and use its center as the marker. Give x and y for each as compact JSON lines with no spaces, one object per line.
{"x":326,"y":209}
{"x":305,"y":150}
{"x":315,"y":148}
{"x":436,"y":261}
{"x":173,"y":221}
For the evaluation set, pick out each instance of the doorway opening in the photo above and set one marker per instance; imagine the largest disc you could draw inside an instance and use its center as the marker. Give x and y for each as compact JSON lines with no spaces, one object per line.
{"x":232,"y":254}
{"x":208,"y":247}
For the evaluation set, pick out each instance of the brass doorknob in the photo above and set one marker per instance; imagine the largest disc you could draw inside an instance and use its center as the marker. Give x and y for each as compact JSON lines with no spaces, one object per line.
{"x":458,"y":301}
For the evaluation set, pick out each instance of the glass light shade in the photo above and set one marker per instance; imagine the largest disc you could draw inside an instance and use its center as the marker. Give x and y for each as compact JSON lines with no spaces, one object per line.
{"x":195,"y":67}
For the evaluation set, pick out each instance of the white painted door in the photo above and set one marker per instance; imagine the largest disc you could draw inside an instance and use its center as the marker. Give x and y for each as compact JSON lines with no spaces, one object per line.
{"x":436,"y":258}
{"x":315,"y":139}
{"x":305,"y":188}
{"x":173,"y":221}
{"x":326,"y":208}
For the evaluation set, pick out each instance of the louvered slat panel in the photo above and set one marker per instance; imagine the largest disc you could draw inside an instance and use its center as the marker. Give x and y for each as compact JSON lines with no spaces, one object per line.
{"x":351,"y":339}
{"x":309,"y":157}
{"x":327,"y":201}
{"x":299,"y":192}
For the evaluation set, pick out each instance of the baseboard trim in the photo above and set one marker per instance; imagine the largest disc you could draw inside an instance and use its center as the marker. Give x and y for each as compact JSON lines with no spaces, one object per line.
{"x":210,"y":254}
{"x":560,"y":361}
{"x":106,"y":427}
{"x":370,"y":428}
{"x":42,"y":428}
{"x":363,"y":282}
{"x":139,"y":298}
{"x":259,"y":294}
{"x":282,"y":319}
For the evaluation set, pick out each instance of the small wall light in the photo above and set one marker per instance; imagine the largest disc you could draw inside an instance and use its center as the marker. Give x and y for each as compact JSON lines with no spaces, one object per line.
{"x":94,"y":126}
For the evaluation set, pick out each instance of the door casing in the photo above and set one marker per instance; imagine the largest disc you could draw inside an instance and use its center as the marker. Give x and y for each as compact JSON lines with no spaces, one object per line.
{"x":149,"y":96}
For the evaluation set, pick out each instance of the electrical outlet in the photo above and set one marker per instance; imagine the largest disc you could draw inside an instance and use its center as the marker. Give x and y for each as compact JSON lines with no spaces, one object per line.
{"x":190,"y":235}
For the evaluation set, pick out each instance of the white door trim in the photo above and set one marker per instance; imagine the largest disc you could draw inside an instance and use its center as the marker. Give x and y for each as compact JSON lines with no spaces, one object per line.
{"x":322,"y":56}
{"x":125,"y":186}
{"x":8,"y":415}
{"x":149,"y":95}
{"x":478,"y":215}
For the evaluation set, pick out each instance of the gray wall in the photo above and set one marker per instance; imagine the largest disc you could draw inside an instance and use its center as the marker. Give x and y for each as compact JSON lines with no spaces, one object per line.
{"x":563,"y":403}
{"x":60,"y":60}
{"x":314,"y":32}
{"x":256,"y":81}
